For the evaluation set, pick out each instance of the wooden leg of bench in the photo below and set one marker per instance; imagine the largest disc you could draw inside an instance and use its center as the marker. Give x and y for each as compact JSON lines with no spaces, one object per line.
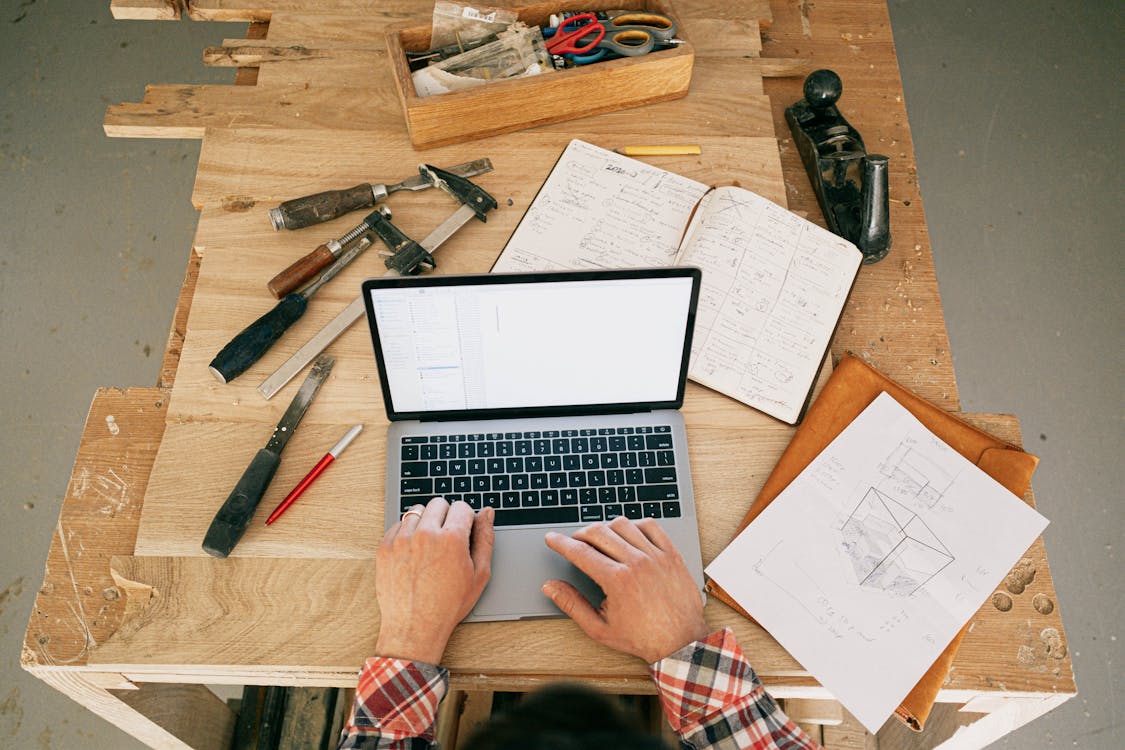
{"x":849,"y":734}
{"x":184,"y":717}
{"x":460,"y":713}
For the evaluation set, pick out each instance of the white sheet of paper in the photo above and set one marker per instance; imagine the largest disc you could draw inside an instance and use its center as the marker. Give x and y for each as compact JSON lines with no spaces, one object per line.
{"x":868,"y":564}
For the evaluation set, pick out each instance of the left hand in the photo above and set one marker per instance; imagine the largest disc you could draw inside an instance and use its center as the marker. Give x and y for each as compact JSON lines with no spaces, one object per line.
{"x":430,"y":572}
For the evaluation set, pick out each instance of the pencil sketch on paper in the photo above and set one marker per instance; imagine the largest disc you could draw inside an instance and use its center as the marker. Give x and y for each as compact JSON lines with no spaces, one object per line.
{"x":912,"y":478}
{"x":890,"y":547}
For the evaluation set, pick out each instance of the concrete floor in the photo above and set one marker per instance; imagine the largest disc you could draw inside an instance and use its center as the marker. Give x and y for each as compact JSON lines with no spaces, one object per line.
{"x":1012,"y":107}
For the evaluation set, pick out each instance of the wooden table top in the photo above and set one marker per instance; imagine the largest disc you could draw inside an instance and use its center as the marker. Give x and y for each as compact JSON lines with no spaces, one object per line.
{"x":114,"y":603}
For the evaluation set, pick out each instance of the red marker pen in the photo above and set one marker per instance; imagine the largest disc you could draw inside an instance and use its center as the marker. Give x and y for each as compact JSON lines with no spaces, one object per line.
{"x":317,"y":470}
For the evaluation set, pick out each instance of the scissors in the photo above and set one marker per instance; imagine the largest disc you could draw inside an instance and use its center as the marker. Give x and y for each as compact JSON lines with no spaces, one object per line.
{"x":576,"y":35}
{"x":627,"y":34}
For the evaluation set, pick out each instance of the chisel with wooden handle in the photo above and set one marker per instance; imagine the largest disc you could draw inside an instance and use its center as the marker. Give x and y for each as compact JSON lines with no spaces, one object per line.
{"x":255,"y":339}
{"x":321,"y":207}
{"x":234,"y":516}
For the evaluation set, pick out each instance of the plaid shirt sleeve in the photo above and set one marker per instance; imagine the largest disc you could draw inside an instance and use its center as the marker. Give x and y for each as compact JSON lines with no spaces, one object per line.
{"x":714,"y":701}
{"x":396,"y":703}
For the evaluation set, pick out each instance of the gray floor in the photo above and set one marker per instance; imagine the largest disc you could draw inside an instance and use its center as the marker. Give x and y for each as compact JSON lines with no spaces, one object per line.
{"x":1012,"y":107}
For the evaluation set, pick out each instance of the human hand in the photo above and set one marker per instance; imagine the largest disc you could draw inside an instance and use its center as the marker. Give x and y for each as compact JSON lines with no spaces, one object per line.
{"x":652,"y":606}
{"x":430,"y":571}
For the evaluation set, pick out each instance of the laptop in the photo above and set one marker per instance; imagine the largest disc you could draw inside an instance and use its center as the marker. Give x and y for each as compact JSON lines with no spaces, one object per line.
{"x":551,"y":397}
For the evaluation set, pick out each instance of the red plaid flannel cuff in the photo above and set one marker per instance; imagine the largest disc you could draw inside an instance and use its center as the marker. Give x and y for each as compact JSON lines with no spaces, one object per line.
{"x":713,"y":699}
{"x":397,"y":699}
{"x":703,"y":678}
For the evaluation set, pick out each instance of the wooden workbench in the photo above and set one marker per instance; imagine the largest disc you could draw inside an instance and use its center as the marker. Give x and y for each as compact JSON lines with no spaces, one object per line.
{"x":129,"y":624}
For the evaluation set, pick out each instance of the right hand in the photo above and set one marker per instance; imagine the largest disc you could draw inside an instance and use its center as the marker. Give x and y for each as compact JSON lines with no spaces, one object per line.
{"x":652,"y":607}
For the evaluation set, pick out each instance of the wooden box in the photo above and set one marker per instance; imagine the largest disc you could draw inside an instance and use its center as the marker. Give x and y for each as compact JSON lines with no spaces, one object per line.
{"x":556,"y":96}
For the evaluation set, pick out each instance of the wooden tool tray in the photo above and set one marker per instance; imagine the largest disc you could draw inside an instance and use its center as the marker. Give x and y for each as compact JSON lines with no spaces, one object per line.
{"x":557,"y":96}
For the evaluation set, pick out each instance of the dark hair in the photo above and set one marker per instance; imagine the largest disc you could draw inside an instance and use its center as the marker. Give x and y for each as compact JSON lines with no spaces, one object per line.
{"x":563,"y":717}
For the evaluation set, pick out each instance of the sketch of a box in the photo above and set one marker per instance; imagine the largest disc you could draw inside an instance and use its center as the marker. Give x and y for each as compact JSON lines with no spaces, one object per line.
{"x":890,"y":547}
{"x":911,"y":477}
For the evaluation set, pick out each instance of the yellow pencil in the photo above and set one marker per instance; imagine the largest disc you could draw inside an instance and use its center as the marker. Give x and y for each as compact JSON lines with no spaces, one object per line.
{"x":684,"y":149}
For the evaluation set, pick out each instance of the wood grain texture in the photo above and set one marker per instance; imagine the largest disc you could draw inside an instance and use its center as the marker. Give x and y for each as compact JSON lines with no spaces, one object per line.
{"x":146,"y":10}
{"x":79,"y":606}
{"x":269,"y":10}
{"x":179,"y":595}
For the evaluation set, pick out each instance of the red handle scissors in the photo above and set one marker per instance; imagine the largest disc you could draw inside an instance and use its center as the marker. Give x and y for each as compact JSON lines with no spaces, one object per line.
{"x":577,"y":35}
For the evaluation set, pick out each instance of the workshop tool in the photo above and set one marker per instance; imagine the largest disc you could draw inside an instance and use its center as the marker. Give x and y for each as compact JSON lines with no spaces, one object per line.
{"x":333,"y":453}
{"x":419,"y":60}
{"x":303,"y":269}
{"x":576,"y":35}
{"x":233,"y":518}
{"x":255,"y":339}
{"x":624,"y":34}
{"x":475,"y":203}
{"x":321,"y":207}
{"x":850,"y":184}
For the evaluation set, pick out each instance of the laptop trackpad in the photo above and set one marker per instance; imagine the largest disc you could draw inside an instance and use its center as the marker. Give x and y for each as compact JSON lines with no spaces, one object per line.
{"x":521,"y":564}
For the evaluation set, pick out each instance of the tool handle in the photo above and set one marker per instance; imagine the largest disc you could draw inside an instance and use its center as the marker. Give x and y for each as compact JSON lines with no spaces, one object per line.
{"x":406,"y":257}
{"x":255,"y":340}
{"x":321,"y":207}
{"x":231,"y":521}
{"x":300,"y":271}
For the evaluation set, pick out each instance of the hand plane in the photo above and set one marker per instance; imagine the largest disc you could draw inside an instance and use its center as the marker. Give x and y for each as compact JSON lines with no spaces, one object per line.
{"x":850,"y":184}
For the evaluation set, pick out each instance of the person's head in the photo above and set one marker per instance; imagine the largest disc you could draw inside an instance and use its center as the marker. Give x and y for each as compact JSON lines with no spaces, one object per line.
{"x":563,"y":717}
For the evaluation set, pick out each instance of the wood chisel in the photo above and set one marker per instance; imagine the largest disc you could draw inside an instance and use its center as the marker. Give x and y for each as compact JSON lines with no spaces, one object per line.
{"x":321,"y":207}
{"x":255,"y":340}
{"x":475,"y":203}
{"x":233,"y":518}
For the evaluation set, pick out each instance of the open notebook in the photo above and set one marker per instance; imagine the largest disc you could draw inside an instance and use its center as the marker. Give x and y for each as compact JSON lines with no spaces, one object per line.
{"x":774,"y":284}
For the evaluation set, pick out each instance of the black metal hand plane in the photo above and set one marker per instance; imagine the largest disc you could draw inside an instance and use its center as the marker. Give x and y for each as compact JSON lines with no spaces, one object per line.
{"x":850,"y":184}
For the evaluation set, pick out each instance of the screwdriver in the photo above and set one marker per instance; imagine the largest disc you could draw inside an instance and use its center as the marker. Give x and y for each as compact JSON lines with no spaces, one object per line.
{"x":320,"y":207}
{"x":304,"y":268}
{"x":255,"y":340}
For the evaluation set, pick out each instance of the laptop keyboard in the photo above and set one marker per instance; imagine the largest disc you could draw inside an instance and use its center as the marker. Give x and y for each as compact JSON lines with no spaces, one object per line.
{"x":546,"y":476}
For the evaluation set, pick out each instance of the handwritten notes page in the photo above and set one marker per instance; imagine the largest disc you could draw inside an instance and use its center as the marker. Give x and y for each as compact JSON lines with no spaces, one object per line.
{"x":599,"y":209}
{"x":774,"y":284}
{"x":868,"y":564}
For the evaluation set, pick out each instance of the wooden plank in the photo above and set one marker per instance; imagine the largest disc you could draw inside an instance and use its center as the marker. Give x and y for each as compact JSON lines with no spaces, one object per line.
{"x":303,"y":98}
{"x":264,"y":10}
{"x":175,"y":632}
{"x":191,"y":713}
{"x":176,"y":514}
{"x":809,"y":711}
{"x":308,"y":719}
{"x":170,"y":362}
{"x":79,"y":605}
{"x":320,"y":632}
{"x":849,"y":734}
{"x":893,"y":318}
{"x":146,"y":10}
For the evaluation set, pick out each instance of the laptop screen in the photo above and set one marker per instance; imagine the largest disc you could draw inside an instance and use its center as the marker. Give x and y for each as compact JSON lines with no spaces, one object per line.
{"x":528,"y":344}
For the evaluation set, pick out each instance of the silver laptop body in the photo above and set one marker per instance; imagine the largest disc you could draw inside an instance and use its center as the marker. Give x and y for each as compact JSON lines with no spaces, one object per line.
{"x":552,"y":397}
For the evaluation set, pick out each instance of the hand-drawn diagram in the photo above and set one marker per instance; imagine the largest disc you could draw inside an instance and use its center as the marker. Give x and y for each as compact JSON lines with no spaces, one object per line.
{"x":912,"y":478}
{"x":889,"y":545}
